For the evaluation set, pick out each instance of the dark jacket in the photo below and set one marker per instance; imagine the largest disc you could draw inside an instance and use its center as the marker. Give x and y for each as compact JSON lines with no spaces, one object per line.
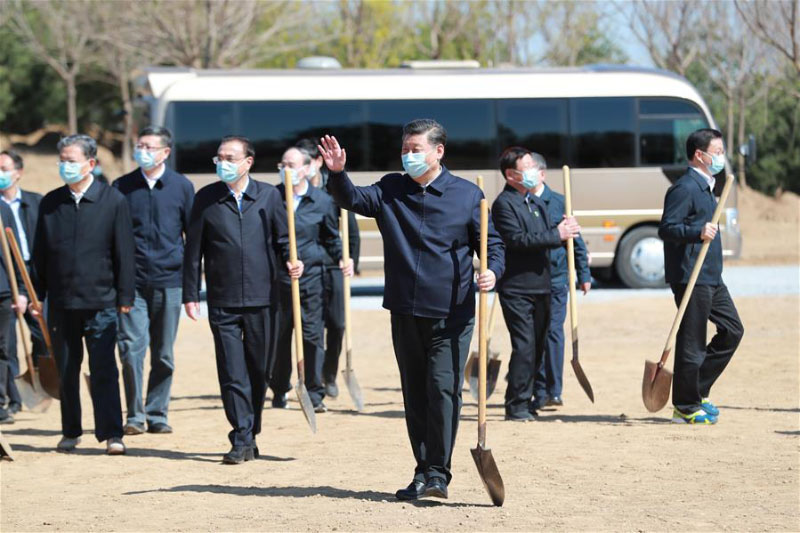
{"x":5,"y":286}
{"x":688,"y":206}
{"x":316,"y":229}
{"x":558,"y":256}
{"x":160,"y":220}
{"x":353,"y":234}
{"x":528,"y":234}
{"x":430,"y":236}
{"x":83,"y":254}
{"x":242,"y":251}
{"x":29,"y":215}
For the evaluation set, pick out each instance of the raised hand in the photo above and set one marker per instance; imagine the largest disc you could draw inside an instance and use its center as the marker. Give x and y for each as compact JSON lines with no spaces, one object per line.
{"x":334,"y":155}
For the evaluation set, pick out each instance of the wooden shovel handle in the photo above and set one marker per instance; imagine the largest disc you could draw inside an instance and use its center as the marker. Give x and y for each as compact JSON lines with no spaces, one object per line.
{"x":698,"y":265}
{"x":344,"y":226}
{"x":482,"y":330}
{"x":12,"y":281}
{"x":26,"y":279}
{"x":573,"y":304}
{"x":296,"y":315}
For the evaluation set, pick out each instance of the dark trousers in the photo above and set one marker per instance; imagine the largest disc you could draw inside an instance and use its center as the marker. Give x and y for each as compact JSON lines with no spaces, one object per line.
{"x":7,"y":387}
{"x":697,"y":365}
{"x":313,"y":353}
{"x":38,"y":347}
{"x":333,"y":303}
{"x":554,"y":358}
{"x":431,"y":354}
{"x":527,"y":317}
{"x":69,"y":329}
{"x":244,"y":346}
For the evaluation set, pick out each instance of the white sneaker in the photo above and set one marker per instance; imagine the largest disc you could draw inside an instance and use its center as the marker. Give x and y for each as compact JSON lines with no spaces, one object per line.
{"x":67,"y":444}
{"x":114,"y":446}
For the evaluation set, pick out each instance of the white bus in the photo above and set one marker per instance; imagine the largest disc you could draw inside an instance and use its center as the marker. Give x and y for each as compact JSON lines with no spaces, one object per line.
{"x":622,"y":131}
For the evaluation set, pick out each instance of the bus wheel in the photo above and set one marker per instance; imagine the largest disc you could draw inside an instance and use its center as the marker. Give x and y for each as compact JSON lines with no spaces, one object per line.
{"x":640,"y":258}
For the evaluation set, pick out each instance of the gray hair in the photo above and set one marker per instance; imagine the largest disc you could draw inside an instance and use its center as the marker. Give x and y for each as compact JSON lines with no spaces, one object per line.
{"x":541,"y":164}
{"x":435,"y":132}
{"x":87,"y":144}
{"x":302,"y":151}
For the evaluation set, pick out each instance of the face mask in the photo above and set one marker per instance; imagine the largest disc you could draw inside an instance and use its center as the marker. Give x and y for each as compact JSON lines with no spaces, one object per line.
{"x":530,"y":178}
{"x":5,"y":179}
{"x":295,"y":175}
{"x":227,"y":171}
{"x":146,"y":160}
{"x":70,"y":172}
{"x":312,"y":171}
{"x":414,"y":163}
{"x":717,"y":163}
{"x":97,"y":171}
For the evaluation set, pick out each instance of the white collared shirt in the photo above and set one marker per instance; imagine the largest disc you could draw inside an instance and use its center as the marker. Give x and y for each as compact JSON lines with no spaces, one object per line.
{"x":441,"y":169}
{"x":151,"y":182}
{"x":299,"y":196}
{"x":15,"y":204}
{"x":709,"y":179}
{"x":78,"y":195}
{"x":238,"y":195}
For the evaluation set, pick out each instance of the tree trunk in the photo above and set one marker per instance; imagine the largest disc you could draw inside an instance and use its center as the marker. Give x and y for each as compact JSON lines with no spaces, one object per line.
{"x":72,"y":105}
{"x":730,"y":95}
{"x":741,"y":140}
{"x":127,"y":106}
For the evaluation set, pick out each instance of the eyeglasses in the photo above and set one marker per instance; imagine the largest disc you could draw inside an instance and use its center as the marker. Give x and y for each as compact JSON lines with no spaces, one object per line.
{"x":281,"y":166}
{"x":149,"y":148}
{"x":217,"y":160}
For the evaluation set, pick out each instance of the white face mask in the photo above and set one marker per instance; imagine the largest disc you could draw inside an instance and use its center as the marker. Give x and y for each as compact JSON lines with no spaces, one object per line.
{"x":295,"y":172}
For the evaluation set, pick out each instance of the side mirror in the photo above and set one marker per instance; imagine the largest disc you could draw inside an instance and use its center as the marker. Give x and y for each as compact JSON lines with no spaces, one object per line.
{"x":749,"y":151}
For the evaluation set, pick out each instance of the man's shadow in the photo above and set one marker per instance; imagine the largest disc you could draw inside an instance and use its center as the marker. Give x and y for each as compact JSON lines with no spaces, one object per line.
{"x":172,"y":455}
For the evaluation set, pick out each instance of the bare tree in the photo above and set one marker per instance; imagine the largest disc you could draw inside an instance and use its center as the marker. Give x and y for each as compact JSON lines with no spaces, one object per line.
{"x":53,"y":31}
{"x":667,"y":30}
{"x":573,"y":33}
{"x":775,"y":22}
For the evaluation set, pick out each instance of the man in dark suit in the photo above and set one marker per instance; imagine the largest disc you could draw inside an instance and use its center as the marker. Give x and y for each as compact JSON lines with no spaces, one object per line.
{"x":25,"y":209}
{"x":84,"y":264}
{"x":332,"y":277}
{"x":315,"y":222}
{"x":685,"y":226}
{"x":238,"y":227}
{"x":160,"y":200}
{"x":430,"y":222}
{"x":522,"y":220}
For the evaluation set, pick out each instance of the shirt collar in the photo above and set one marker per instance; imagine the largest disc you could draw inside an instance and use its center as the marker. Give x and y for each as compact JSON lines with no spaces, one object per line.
{"x":438,"y":183}
{"x":17,"y":198}
{"x":157,"y":176}
{"x":708,"y":179}
{"x":247,"y":185}
{"x":84,"y":192}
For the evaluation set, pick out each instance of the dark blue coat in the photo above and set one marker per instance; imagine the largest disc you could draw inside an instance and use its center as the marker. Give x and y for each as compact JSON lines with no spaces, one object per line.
{"x":688,"y":206}
{"x":160,"y":220}
{"x":430,"y":236}
{"x":558,"y":256}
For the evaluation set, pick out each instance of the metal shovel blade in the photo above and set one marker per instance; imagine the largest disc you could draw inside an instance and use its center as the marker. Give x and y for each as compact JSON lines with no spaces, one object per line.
{"x":656,"y":386}
{"x":306,"y":405}
{"x":48,"y":374}
{"x":353,"y":388}
{"x":33,"y":396}
{"x":5,"y":449}
{"x":493,"y":369}
{"x":468,"y":371}
{"x":489,"y":473}
{"x":582,"y":379}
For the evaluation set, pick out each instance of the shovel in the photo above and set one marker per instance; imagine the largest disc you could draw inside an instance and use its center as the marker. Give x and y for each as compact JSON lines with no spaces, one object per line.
{"x":487,"y":468}
{"x":657,"y":380}
{"x":349,"y":376}
{"x":573,"y":302}
{"x":48,"y":370}
{"x":494,"y":358}
{"x":30,"y":388}
{"x":300,"y":388}
{"x":5,"y":449}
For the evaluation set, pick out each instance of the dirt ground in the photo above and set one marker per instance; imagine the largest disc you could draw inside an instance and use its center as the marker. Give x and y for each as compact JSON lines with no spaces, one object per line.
{"x":607,"y":466}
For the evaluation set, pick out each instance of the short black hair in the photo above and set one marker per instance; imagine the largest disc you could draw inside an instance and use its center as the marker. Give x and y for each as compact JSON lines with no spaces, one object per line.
{"x":15,"y":157}
{"x":158,"y":131}
{"x":699,"y":140}
{"x":510,"y":156}
{"x":248,"y":146}
{"x":309,"y":146}
{"x":436,"y":134}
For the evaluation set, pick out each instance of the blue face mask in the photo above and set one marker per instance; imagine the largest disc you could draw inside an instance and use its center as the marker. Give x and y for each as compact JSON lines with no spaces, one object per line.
{"x":70,"y":172}
{"x":293,"y":172}
{"x":5,"y":179}
{"x":227,"y":171}
{"x":717,"y":163}
{"x":530,"y":178}
{"x":145,"y":159}
{"x":414,"y":163}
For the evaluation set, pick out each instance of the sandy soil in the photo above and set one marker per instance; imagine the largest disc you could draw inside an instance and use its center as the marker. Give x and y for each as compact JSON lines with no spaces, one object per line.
{"x":607,"y":466}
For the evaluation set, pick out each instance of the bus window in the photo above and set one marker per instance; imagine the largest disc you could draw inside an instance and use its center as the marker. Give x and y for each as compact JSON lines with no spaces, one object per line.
{"x":603,"y":132}
{"x":470,"y":129}
{"x":664,"y":125}
{"x":197,"y":128}
{"x":538,"y":125}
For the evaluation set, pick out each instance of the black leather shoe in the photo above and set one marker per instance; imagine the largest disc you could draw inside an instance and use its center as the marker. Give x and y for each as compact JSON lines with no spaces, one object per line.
{"x":555,"y":401}
{"x":538,"y":402}
{"x":523,"y":416}
{"x":238,"y":455}
{"x":280,"y":401}
{"x":320,"y":408}
{"x":436,"y":488}
{"x":159,"y":427}
{"x":414,"y":491}
{"x":14,"y":408}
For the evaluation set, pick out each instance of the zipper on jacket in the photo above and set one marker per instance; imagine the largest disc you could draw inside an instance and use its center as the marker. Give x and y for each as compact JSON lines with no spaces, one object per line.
{"x":150,"y":240}
{"x":241,"y":245}
{"x":419,"y":253}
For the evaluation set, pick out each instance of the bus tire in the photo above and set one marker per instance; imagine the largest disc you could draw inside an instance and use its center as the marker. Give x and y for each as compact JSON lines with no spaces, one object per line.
{"x":640,"y":259}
